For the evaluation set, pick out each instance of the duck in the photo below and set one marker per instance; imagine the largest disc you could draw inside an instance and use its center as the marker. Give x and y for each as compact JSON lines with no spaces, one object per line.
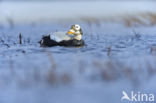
{"x":72,"y":37}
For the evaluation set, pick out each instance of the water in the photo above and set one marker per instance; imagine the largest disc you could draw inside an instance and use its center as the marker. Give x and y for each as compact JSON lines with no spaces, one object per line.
{"x":98,"y":41}
{"x":114,"y":55}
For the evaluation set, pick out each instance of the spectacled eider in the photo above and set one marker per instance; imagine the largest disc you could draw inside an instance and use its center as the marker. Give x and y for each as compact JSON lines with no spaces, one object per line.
{"x":71,"y":38}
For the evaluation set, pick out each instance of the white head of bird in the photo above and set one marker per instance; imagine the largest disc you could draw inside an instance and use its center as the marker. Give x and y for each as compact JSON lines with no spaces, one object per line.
{"x":76,"y":27}
{"x":76,"y":31}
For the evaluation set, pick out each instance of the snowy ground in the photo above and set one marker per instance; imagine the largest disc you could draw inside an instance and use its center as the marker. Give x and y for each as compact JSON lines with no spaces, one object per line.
{"x":118,"y":56}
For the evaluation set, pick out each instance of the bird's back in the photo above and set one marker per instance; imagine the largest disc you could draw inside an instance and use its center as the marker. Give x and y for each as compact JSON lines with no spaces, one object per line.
{"x":59,"y":36}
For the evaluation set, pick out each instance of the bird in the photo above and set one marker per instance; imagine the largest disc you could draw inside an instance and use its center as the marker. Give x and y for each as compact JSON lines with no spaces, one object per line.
{"x":72,"y":37}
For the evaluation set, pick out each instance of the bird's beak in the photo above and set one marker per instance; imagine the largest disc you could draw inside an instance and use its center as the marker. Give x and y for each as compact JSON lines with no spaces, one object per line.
{"x":70,"y":32}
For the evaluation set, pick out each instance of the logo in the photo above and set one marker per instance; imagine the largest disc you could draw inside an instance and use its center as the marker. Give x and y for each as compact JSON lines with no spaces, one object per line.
{"x":137,"y":97}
